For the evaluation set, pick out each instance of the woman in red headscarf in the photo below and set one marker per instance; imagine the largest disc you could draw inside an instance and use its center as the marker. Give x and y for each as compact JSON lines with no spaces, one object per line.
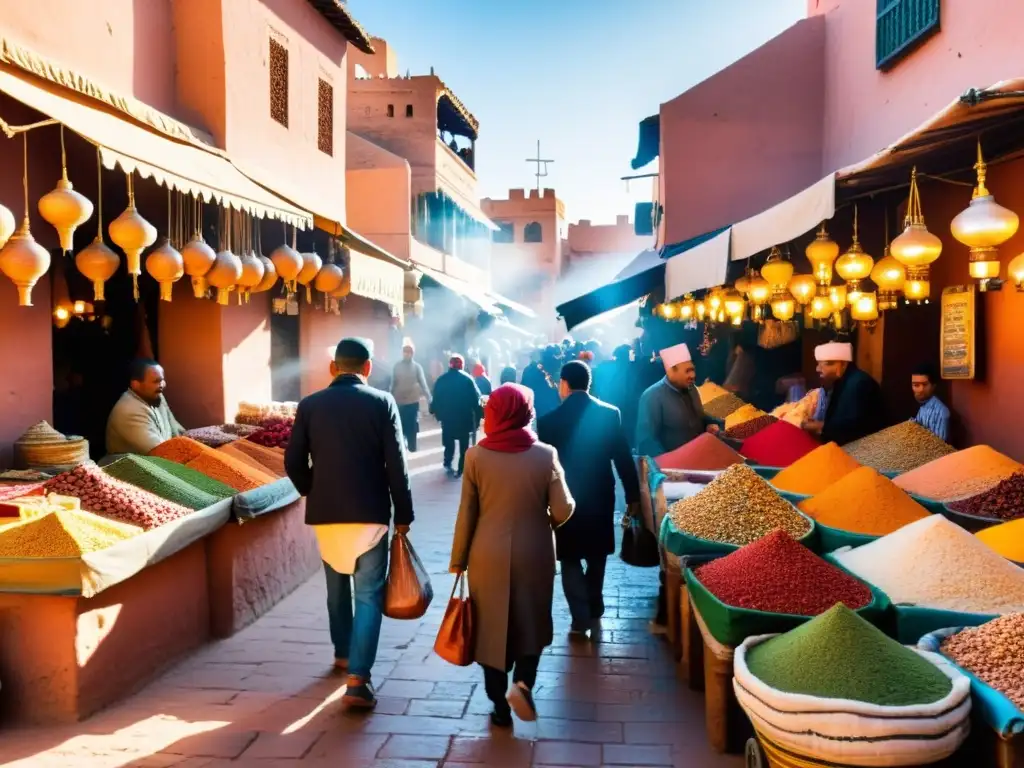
{"x":513,"y":494}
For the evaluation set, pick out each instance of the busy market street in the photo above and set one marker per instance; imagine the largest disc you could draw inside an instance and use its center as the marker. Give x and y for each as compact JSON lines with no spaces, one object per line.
{"x":266,"y":696}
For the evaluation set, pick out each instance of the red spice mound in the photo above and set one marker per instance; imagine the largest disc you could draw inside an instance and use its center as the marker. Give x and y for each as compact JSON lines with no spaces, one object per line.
{"x":274,"y":433}
{"x":17,"y":490}
{"x":706,"y":452}
{"x":778,"y":445}
{"x":1004,"y":501}
{"x":779,"y":575}
{"x":213,"y":463}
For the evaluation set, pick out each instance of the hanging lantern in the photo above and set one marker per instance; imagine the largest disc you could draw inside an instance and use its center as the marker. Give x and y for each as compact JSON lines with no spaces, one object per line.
{"x":344,"y":289}
{"x":854,"y":265}
{"x":889,"y":275}
{"x":98,"y":263}
{"x":714,"y":301}
{"x":803,"y":288}
{"x":198,"y":258}
{"x":916,"y":248}
{"x":983,"y":227}
{"x":288,"y":264}
{"x":822,"y":253}
{"x":743,"y":284}
{"x":917,"y":290}
{"x":1016,"y":271}
{"x":758,"y":291}
{"x":734,"y":305}
{"x":251,"y":277}
{"x":224,"y":275}
{"x":64,"y":208}
{"x":700,"y":310}
{"x":777,"y":271}
{"x":837,"y":295}
{"x":687,"y":308}
{"x":132,"y":234}
{"x":165,"y":265}
{"x":783,"y":305}
{"x":865,"y":309}
{"x":269,"y":275}
{"x":22,"y":259}
{"x":311,"y":265}
{"x":329,"y":279}
{"x":667,"y":310}
{"x":821,"y":306}
{"x":7,"y":225}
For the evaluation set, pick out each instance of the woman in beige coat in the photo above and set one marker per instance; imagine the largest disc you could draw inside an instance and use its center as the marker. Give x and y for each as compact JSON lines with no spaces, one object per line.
{"x":513,"y":496}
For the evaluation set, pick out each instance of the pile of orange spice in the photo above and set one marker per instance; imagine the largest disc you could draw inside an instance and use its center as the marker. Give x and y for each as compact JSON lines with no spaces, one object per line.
{"x":863,"y":502}
{"x":270,"y":460}
{"x":816,"y":471}
{"x":212,"y":463}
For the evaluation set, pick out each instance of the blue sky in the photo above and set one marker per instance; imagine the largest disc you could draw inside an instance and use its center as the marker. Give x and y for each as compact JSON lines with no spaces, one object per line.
{"x":577,"y":74}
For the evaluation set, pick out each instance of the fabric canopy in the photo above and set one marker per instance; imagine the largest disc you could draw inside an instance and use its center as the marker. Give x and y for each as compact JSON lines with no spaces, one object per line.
{"x":643,"y":275}
{"x":462,"y":288}
{"x":649,"y":144}
{"x":357,"y":242}
{"x":785,"y":221}
{"x":375,"y":279}
{"x":702,"y":266}
{"x":515,"y":306}
{"x":180,"y":165}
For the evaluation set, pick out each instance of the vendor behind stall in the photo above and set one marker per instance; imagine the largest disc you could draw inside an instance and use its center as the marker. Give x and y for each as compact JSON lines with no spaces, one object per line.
{"x":854,"y":399}
{"x":141,"y":419}
{"x":671,"y":413}
{"x":932,"y":414}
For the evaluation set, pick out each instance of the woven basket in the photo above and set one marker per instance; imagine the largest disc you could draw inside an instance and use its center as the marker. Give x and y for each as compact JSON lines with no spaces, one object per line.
{"x":44,"y":448}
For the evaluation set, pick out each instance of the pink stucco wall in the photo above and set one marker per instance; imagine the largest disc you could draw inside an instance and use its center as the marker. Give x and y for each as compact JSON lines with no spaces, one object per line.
{"x":865,"y":109}
{"x":745,"y":138}
{"x":379,"y":196}
{"x":320,"y":332}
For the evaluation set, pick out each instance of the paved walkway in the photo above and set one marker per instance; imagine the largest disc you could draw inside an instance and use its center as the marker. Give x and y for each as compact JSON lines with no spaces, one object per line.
{"x":266,"y":697}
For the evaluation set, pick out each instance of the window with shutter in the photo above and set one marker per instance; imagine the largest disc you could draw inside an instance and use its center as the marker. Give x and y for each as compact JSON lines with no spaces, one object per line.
{"x":325,"y":118}
{"x":279,"y":82}
{"x":900,"y":25}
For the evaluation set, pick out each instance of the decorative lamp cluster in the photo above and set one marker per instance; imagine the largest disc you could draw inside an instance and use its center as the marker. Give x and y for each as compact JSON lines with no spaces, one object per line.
{"x":983,"y":226}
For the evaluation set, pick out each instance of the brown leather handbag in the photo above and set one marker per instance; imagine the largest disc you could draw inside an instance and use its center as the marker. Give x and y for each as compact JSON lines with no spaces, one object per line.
{"x":454,"y":641}
{"x":408,"y":592}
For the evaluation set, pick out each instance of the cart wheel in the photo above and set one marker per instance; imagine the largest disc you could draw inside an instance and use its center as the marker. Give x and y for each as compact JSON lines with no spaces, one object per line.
{"x":755,"y":755}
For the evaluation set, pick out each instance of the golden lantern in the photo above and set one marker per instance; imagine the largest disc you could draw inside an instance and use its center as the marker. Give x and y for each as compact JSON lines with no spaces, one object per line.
{"x":687,"y":308}
{"x":311,"y":265}
{"x":700,"y":310}
{"x":714,"y":301}
{"x":777,"y":271}
{"x":165,"y":265}
{"x":759,"y":292}
{"x":743,"y":284}
{"x":983,"y":227}
{"x":132,"y":234}
{"x":329,"y":279}
{"x":1016,"y":271}
{"x":803,"y":288}
{"x":889,"y":275}
{"x":64,"y":208}
{"x":821,"y":306}
{"x":822,"y":253}
{"x":734,"y":305}
{"x":667,"y":310}
{"x":22,"y":259}
{"x":199,"y":259}
{"x":917,"y":289}
{"x":837,"y":295}
{"x":7,"y":225}
{"x":252,"y":275}
{"x":783,"y":305}
{"x":269,"y":275}
{"x":96,"y":261}
{"x":916,"y":248}
{"x":288,"y":264}
{"x":865,"y":308}
{"x":224,"y":275}
{"x":856,"y":264}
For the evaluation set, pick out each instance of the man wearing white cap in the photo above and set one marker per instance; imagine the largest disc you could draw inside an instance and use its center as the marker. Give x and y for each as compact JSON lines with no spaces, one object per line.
{"x":671,"y":413}
{"x":855,"y":407}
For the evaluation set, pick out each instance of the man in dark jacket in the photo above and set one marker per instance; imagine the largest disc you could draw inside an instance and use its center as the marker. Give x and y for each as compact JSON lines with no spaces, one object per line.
{"x":590,"y":441}
{"x":346,"y":457}
{"x":456,"y":404}
{"x":855,"y":406}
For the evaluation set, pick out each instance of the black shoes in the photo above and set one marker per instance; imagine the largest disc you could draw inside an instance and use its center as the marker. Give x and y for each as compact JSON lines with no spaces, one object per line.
{"x":501,"y":718}
{"x":360,"y":696}
{"x":520,"y":699}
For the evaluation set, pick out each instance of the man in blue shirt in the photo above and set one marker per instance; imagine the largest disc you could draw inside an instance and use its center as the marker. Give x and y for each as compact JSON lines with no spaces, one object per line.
{"x":932,"y":415}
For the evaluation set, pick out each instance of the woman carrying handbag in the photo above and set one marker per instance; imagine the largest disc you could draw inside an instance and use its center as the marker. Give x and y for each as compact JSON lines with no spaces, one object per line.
{"x":513,"y":495}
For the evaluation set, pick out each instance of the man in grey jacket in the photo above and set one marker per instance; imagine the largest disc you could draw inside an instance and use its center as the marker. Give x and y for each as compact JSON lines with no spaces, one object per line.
{"x":141,"y":419}
{"x":408,"y":385}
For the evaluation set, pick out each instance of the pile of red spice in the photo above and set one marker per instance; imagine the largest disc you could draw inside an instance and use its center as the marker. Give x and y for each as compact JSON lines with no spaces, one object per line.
{"x":777,"y":574}
{"x":1004,"y":501}
{"x":778,"y":445}
{"x":706,"y":452}
{"x":274,"y":433}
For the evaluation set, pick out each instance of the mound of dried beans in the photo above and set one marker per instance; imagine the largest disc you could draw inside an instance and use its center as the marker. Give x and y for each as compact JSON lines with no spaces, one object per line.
{"x":105,"y":495}
{"x":276,"y":433}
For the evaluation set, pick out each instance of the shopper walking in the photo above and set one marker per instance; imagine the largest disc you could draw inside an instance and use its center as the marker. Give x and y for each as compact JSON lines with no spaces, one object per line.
{"x":456,"y":405}
{"x":408,"y":385}
{"x":513,"y":494}
{"x":590,"y":440}
{"x":345,"y":456}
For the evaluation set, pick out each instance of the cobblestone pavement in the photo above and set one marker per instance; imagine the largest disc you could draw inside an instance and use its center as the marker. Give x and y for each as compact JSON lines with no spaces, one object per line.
{"x":266,"y":697}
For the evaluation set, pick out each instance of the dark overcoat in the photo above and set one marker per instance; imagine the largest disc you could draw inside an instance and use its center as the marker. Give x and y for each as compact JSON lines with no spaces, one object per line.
{"x":456,"y":402}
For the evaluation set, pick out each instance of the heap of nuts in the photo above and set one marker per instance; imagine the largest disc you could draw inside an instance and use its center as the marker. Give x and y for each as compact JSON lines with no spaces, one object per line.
{"x":737,"y":507}
{"x":994,"y":652}
{"x":275,"y":433}
{"x":1003,"y":502}
{"x":749,"y":428}
{"x":105,"y":495}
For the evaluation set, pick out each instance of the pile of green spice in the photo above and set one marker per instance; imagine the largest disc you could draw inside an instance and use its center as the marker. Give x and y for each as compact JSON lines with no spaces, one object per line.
{"x":838,"y":655}
{"x":167,"y":480}
{"x":723,"y":405}
{"x":737,"y":507}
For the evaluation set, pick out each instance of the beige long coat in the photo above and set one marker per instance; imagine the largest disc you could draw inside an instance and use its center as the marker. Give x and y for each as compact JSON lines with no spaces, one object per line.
{"x":511,"y":503}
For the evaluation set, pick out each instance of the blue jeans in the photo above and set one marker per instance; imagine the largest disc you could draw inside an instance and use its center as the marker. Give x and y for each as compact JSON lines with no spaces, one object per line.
{"x":355,"y":634}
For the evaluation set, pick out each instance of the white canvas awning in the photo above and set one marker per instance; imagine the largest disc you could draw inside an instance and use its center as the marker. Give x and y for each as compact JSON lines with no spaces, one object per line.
{"x":785,"y":221}
{"x":700,"y":267}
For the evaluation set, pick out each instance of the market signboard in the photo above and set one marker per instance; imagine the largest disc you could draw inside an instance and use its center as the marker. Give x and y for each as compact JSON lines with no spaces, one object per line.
{"x":957,"y":342}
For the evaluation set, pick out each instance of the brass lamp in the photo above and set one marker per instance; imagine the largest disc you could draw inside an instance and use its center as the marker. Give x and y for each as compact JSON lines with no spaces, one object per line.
{"x":700,"y":309}
{"x":783,"y":306}
{"x":802,"y":287}
{"x":1016,"y":272}
{"x":889,"y":275}
{"x":758,"y":292}
{"x":734,"y":305}
{"x":983,"y":227}
{"x":686,"y":308}
{"x":821,"y":306}
{"x":856,"y":264}
{"x":916,"y":248}
{"x":777,"y":271}
{"x":743,"y":284}
{"x":837,"y":293}
{"x":865,"y":309}
{"x":822,"y":254}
